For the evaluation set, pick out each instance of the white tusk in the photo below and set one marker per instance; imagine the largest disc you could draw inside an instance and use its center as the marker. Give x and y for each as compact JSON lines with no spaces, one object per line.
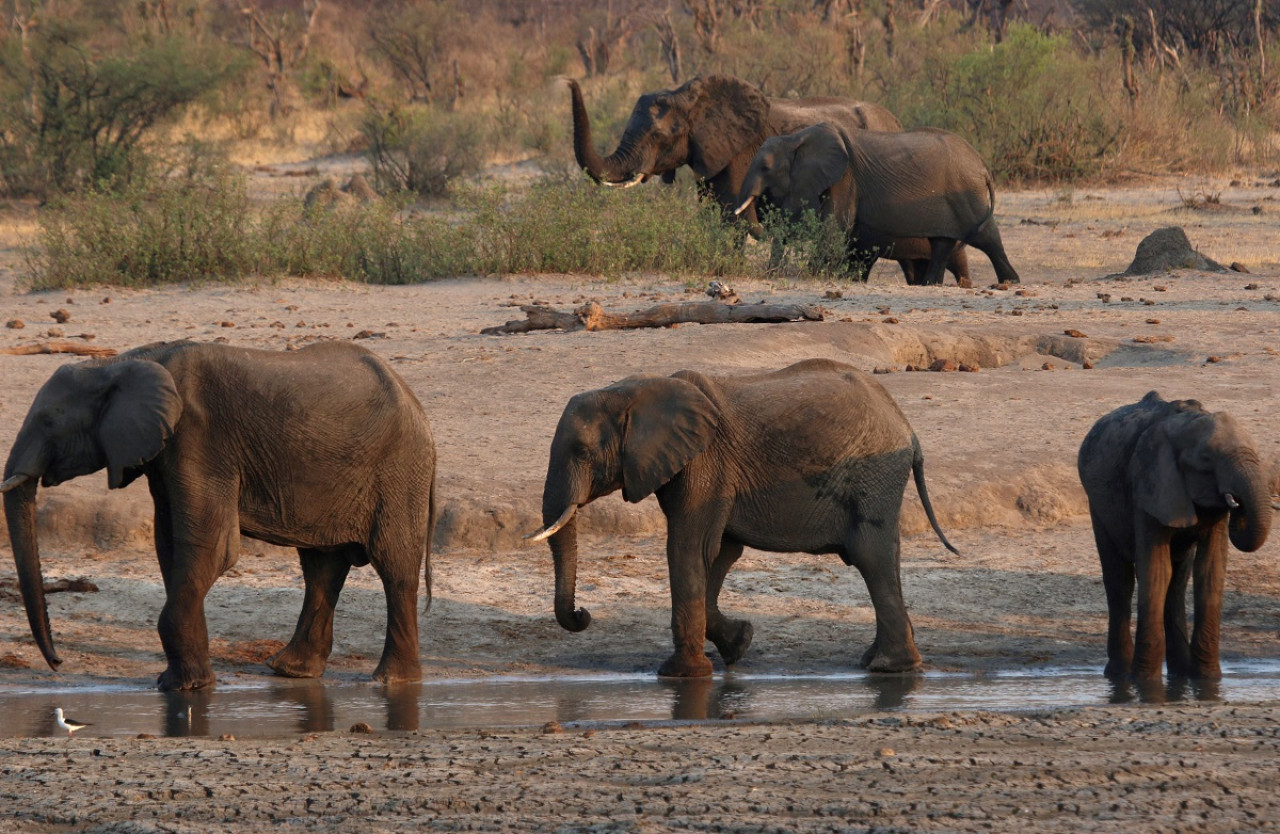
{"x":14,"y":482}
{"x":636,"y":180}
{"x":745,"y":205}
{"x":1232,"y":502}
{"x":548,"y":532}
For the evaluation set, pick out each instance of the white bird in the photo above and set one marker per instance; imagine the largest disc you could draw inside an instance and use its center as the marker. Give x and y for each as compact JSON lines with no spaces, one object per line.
{"x":68,"y":724}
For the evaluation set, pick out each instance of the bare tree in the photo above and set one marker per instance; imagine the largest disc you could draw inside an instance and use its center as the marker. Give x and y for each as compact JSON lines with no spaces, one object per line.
{"x":670,"y":42}
{"x":598,"y":45}
{"x":281,"y":42}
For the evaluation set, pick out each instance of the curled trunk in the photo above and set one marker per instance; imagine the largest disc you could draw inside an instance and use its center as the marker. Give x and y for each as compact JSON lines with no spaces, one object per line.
{"x":20,"y":514}
{"x":564,"y":551}
{"x":618,"y":167}
{"x":1251,"y":520}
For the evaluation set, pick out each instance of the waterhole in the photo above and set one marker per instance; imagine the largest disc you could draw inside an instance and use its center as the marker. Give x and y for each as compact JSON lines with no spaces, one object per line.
{"x":284,"y":708}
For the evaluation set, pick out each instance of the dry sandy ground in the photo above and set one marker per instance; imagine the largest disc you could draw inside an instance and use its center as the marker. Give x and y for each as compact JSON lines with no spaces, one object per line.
{"x":999,"y":446}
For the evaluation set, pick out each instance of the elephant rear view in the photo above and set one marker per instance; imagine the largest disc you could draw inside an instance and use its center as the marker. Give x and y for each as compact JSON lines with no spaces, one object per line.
{"x":1169,"y":484}
{"x":324,"y":449}
{"x":812,"y":458}
{"x":884,"y":188}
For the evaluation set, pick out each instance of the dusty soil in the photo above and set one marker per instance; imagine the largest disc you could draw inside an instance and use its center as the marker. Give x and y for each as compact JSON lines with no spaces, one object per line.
{"x":999,"y":446}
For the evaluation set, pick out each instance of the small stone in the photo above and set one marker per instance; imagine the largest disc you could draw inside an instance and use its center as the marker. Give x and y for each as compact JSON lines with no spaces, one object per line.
{"x":105,"y":300}
{"x":226,"y":324}
{"x":966,"y":368}
{"x":551,"y":728}
{"x":15,"y":324}
{"x":144,"y":736}
{"x":1236,"y":266}
{"x":361,"y":727}
{"x":1160,"y":288}
{"x":1075,"y":334}
{"x":1105,"y":297}
{"x":1047,"y":366}
{"x":833,"y":294}
{"x":886,"y":752}
{"x":889,"y":320}
{"x":881,"y":369}
{"x":1153,"y":321}
{"x":60,"y":315}
{"x":944,"y":365}
{"x":226,"y":737}
{"x":1253,"y":286}
{"x":1213,"y":359}
{"x":55,"y":333}
{"x":1024,"y":293}
{"x":1087,"y":365}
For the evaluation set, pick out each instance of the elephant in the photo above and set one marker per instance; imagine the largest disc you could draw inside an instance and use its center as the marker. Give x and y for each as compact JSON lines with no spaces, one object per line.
{"x":324,"y":449}
{"x":811,"y":458}
{"x":883,"y":187}
{"x":715,"y":124}
{"x":1169,"y":483}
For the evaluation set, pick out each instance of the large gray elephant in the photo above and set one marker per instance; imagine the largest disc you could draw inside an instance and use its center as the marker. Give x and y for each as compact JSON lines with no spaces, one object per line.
{"x":715,"y":124}
{"x":324,"y":449}
{"x":1169,"y":483}
{"x":811,"y":458}
{"x":883,"y":187}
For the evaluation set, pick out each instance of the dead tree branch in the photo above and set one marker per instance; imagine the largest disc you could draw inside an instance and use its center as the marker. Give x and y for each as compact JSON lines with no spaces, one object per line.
{"x":591,"y":316}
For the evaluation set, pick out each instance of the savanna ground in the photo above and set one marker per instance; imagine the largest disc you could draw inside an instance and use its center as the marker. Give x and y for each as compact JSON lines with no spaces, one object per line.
{"x":999,"y":448}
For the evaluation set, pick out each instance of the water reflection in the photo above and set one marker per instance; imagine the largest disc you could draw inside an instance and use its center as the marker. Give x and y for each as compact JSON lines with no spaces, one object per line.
{"x":284,"y":707}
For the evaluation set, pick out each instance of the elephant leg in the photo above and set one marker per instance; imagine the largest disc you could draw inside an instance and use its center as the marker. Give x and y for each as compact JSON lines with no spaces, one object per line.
{"x":913,"y":269}
{"x":323,"y":573}
{"x":399,"y":563}
{"x":731,"y":637}
{"x":1177,"y":640}
{"x":939,"y":250}
{"x":958,"y":265}
{"x":1154,"y":573}
{"x":874,"y":549}
{"x":1118,"y":581}
{"x":987,"y":240}
{"x":688,"y":561}
{"x":1210,"y":580}
{"x":184,"y":634}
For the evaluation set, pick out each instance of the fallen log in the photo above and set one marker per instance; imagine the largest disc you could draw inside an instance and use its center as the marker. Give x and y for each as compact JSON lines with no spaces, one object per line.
{"x":58,"y":347}
{"x":591,"y":316}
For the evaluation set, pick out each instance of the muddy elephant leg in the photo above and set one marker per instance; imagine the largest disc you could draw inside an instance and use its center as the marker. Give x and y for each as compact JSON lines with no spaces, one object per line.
{"x":184,"y":634}
{"x":688,"y":562}
{"x":1177,"y":640}
{"x":1154,"y":572}
{"x":323,"y":573}
{"x":399,"y":566}
{"x":958,"y":265}
{"x":939,"y":251}
{"x":1210,"y":576}
{"x":731,"y":637}
{"x":874,"y":550}
{"x":987,"y":240}
{"x":1118,"y":581}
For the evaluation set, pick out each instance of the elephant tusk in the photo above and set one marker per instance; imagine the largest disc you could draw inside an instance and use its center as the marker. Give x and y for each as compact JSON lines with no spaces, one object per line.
{"x":14,"y":482}
{"x":548,"y":532}
{"x":636,"y":180}
{"x":1232,"y":502}
{"x":746,"y":204}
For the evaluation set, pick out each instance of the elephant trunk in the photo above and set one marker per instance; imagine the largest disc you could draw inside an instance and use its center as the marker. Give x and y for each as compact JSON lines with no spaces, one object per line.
{"x":564,"y":552}
{"x":1250,"y":521}
{"x":617,"y":168}
{"x":20,"y":514}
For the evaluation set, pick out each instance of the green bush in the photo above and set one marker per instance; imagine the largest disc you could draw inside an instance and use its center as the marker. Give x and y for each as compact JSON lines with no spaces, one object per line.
{"x":422,"y":149}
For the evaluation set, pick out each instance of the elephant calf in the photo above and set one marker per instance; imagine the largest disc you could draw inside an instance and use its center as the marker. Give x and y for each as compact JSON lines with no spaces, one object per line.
{"x":1168,"y":484}
{"x":811,"y":458}
{"x":324,"y":449}
{"x":885,"y":189}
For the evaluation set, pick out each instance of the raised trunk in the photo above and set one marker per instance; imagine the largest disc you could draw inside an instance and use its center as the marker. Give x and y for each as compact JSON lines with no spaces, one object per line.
{"x":1251,"y":521}
{"x":607,"y":170}
{"x":20,"y":514}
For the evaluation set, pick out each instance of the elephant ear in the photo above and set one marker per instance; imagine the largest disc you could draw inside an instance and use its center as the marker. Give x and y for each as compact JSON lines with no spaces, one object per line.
{"x":142,"y":409}
{"x":1159,"y":488}
{"x":728,"y":117}
{"x":819,"y":161}
{"x":669,"y":423}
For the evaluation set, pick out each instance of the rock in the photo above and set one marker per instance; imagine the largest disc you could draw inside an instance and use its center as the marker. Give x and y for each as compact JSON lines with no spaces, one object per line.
{"x":1166,"y":249}
{"x":15,"y":324}
{"x":60,"y":315}
{"x":361,"y":727}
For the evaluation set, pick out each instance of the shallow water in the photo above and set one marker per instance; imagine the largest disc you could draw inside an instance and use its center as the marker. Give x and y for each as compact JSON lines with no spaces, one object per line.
{"x":286,"y":707}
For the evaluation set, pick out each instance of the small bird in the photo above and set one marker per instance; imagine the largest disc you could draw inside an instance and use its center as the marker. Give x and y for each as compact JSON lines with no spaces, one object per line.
{"x":68,"y":724}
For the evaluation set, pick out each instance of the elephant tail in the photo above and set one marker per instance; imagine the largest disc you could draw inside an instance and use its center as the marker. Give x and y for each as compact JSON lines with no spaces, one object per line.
{"x":917,"y":469}
{"x":432,"y":515}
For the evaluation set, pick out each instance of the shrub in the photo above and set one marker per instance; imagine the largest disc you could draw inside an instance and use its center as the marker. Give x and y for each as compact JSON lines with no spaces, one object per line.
{"x":422,"y":149}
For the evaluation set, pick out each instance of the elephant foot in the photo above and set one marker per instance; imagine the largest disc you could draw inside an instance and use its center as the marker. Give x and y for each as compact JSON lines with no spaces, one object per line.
{"x":877,"y":660}
{"x":964,"y":283}
{"x":291,"y":663}
{"x":176,"y":678}
{"x":397,"y":671}
{"x":732,"y":642}
{"x":685,"y":666}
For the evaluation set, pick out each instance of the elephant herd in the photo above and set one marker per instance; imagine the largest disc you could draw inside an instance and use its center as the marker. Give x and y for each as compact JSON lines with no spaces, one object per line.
{"x":326,"y":449}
